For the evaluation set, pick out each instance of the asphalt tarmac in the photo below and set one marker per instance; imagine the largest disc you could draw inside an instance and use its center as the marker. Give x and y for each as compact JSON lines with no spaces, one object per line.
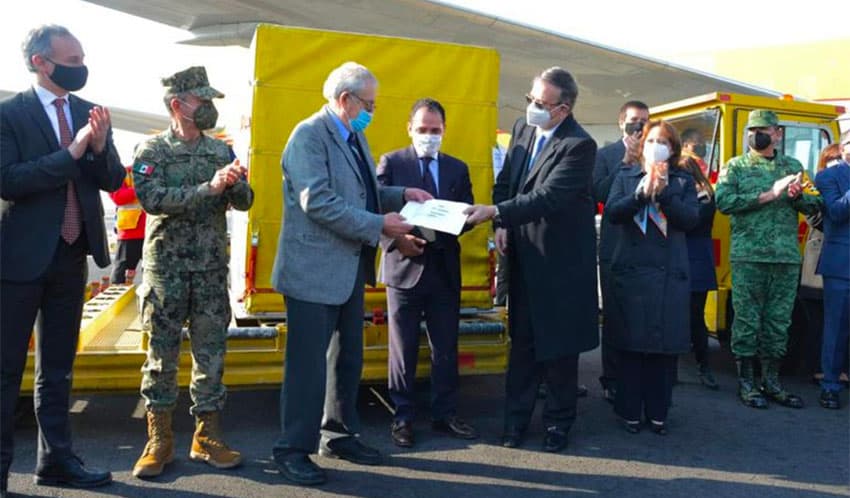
{"x":716,"y":447}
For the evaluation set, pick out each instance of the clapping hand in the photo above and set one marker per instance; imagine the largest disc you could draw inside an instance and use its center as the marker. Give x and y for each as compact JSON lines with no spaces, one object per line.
{"x":795,"y":188}
{"x":99,"y":121}
{"x":781,"y":185}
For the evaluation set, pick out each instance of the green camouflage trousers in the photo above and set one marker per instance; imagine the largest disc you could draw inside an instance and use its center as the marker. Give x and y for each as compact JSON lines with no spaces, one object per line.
{"x":168,"y":301}
{"x":763,"y":297}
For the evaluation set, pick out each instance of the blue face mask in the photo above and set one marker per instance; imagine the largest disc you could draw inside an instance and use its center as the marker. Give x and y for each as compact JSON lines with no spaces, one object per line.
{"x":361,"y":121}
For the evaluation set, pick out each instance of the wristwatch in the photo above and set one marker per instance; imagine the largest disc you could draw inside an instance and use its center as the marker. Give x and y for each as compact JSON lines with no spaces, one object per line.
{"x":497,"y":219}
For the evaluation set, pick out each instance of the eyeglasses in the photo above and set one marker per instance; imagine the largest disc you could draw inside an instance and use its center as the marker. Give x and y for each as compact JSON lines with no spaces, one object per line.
{"x":540,"y":104}
{"x":368,"y":104}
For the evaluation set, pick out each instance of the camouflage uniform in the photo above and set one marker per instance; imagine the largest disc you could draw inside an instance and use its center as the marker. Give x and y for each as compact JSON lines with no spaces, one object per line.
{"x":185,"y":257}
{"x":765,"y":252}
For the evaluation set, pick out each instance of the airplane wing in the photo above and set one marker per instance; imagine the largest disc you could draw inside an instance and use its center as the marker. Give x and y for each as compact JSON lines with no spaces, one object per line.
{"x":126,"y":119}
{"x":607,"y":77}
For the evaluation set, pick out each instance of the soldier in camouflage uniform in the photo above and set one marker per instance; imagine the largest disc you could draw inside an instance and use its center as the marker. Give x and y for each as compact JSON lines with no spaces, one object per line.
{"x":186,"y":181}
{"x":762,"y":192}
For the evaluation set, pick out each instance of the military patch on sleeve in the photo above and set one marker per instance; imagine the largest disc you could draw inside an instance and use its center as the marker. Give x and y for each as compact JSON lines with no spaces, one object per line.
{"x":143,"y":169}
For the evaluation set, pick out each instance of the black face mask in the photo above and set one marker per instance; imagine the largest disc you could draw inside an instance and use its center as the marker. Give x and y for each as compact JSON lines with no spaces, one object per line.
{"x":759,"y":140}
{"x":70,"y":78}
{"x":699,"y":149}
{"x":635,"y":127}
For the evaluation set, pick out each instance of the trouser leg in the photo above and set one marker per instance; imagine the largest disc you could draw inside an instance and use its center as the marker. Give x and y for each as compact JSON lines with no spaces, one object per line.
{"x":836,"y":325}
{"x":165,"y":308}
{"x":749,"y":297}
{"x":405,"y":308}
{"x":209,"y":316}
{"x":559,"y":409}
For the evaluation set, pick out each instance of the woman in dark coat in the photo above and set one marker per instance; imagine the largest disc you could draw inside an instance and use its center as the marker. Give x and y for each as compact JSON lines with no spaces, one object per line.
{"x":653,"y":205}
{"x":701,"y":260}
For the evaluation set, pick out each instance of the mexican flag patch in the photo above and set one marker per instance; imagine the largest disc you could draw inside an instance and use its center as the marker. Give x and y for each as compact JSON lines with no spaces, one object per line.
{"x":143,"y":169}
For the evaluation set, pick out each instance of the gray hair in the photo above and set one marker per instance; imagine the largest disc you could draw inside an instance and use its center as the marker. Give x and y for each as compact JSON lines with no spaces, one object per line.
{"x":563,"y":81}
{"x":350,"y":77}
{"x":39,"y":42}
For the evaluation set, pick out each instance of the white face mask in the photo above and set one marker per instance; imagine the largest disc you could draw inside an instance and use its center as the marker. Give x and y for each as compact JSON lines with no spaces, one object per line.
{"x":426,"y":144}
{"x":655,"y":153}
{"x":536,"y":116}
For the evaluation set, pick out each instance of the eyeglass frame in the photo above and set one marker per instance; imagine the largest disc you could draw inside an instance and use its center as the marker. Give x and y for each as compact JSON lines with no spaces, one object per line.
{"x":542,"y":105}
{"x":368,"y":104}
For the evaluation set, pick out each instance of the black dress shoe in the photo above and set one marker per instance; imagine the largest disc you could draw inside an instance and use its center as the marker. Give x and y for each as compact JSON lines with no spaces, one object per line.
{"x":350,"y":448}
{"x":555,"y":439}
{"x":512,"y":437}
{"x":659,"y":428}
{"x":402,"y":433}
{"x":298,"y":468}
{"x":829,"y":400}
{"x":455,"y":427}
{"x":632,"y":427}
{"x":70,"y":472}
{"x":581,"y":391}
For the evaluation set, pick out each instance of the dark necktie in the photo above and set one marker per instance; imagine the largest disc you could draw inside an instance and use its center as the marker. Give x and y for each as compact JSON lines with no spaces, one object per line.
{"x":72,"y":222}
{"x":428,"y":183}
{"x":371,"y":197}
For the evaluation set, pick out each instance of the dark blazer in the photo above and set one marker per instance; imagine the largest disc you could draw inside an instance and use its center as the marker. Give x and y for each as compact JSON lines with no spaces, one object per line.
{"x":402,"y":168}
{"x":549,"y":214}
{"x":609,"y":161}
{"x":34,"y":174}
{"x":649,"y":273}
{"x":834,"y":186}
{"x":701,"y":248}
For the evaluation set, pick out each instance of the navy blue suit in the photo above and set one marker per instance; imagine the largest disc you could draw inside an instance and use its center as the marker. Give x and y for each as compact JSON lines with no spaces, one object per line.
{"x":39,"y":271}
{"x":609,"y":162}
{"x":834,"y":265}
{"x":427,"y":285}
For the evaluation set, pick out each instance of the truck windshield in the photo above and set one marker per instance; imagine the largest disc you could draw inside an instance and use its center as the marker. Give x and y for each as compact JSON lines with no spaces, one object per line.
{"x":804,"y":143}
{"x":702,"y":128}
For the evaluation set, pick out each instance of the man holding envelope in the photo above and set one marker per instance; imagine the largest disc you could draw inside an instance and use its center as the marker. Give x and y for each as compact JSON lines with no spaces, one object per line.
{"x":423,"y":278}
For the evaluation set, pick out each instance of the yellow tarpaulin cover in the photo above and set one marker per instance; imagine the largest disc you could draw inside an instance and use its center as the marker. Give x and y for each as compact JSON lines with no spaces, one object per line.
{"x":290,"y":66}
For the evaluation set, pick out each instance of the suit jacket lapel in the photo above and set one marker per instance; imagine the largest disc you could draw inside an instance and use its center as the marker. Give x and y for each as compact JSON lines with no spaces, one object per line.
{"x":364,"y":148}
{"x":520,"y":165}
{"x":342,"y":144}
{"x":33,"y":106}
{"x":444,"y":181}
{"x":79,"y":115}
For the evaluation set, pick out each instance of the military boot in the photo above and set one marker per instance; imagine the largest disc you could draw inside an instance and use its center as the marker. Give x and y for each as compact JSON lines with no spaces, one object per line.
{"x":159,"y":450}
{"x":747,"y":391}
{"x":208,"y":444}
{"x":772,"y":388}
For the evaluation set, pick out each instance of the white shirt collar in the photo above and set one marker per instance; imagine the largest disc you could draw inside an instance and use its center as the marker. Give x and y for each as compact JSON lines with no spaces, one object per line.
{"x":46,"y":96}
{"x":546,"y":133}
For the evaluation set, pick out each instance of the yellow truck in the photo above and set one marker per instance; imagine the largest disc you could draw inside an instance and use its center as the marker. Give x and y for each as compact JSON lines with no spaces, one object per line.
{"x":288,"y":68}
{"x":721,"y":120}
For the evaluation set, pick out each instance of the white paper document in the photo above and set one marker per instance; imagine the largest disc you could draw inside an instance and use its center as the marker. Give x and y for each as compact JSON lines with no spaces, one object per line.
{"x":436,"y":214}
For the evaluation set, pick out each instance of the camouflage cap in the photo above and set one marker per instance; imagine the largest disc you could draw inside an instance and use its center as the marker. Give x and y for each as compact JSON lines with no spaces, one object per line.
{"x":762,"y":118}
{"x":193,"y":80}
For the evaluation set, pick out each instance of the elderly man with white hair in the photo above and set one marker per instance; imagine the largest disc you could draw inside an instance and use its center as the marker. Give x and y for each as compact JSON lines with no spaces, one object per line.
{"x":332,"y":221}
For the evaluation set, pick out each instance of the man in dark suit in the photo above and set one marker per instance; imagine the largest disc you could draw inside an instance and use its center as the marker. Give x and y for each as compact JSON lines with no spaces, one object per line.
{"x":56,"y":154}
{"x":326,"y":254}
{"x":543,"y":215}
{"x":609,"y":160}
{"x":423,"y":279}
{"x":834,"y":265}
